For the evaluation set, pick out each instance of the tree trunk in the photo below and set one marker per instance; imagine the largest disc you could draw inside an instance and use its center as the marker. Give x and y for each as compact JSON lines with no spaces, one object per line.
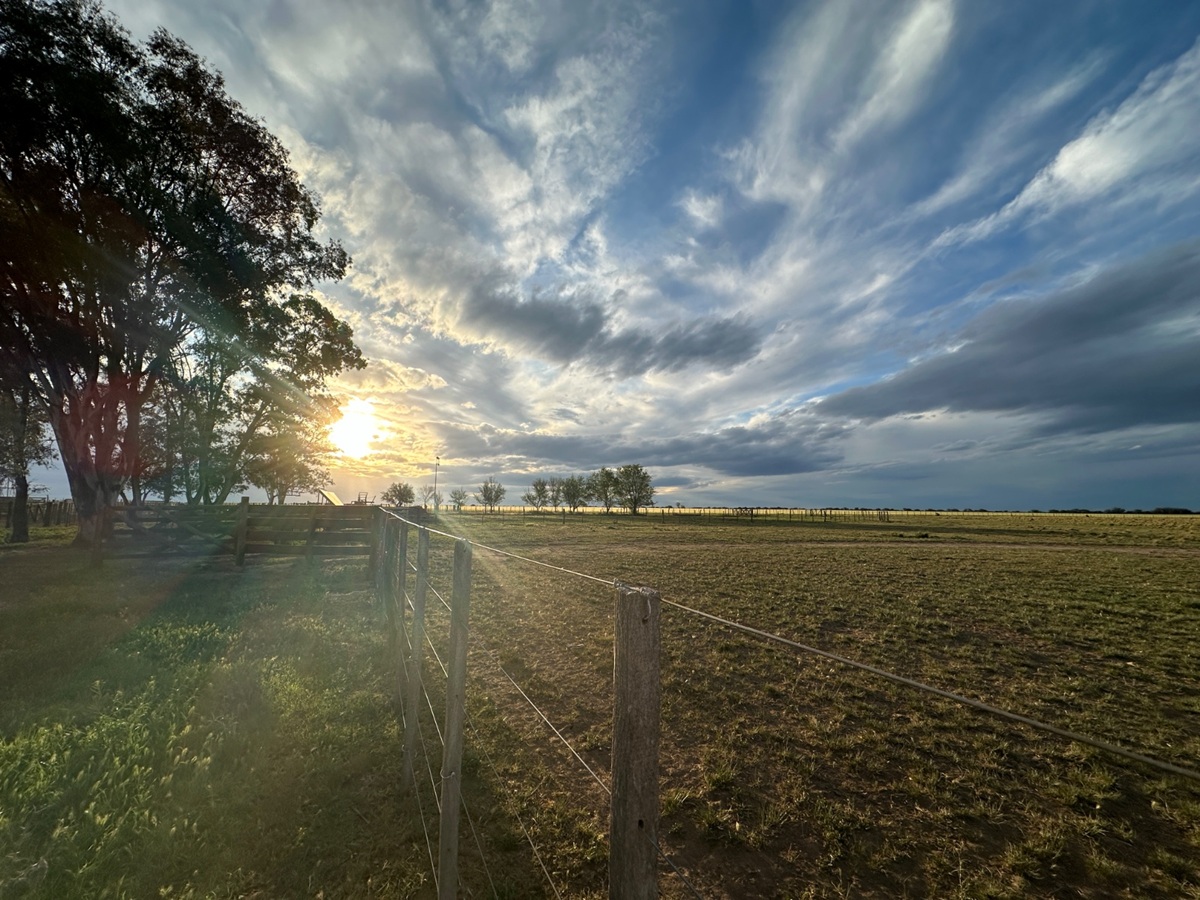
{"x":20,"y":512}
{"x":93,"y":490}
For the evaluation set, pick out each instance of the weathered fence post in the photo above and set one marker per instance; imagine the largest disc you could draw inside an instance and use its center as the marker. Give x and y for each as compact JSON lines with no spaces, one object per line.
{"x":401,"y":573}
{"x":456,"y":701}
{"x":416,"y":657}
{"x":633,"y":834}
{"x":241,"y":532}
{"x":376,"y":530}
{"x":386,"y":585}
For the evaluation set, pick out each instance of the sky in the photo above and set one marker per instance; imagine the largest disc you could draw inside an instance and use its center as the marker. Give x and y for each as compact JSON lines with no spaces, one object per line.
{"x":844,"y":253}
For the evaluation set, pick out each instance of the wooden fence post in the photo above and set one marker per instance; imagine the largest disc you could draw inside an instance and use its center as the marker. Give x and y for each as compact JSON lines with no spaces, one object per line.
{"x":241,"y":532}
{"x":401,"y":575}
{"x":412,"y":701}
{"x":633,"y":831}
{"x":456,"y":700}
{"x":386,"y":585}
{"x":375,"y":528}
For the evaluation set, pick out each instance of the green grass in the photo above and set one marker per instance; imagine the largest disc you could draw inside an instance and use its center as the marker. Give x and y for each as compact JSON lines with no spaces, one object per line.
{"x":194,"y":730}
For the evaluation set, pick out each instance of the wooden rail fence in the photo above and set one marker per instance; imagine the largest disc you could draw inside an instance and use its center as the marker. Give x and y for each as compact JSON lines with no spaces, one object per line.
{"x":243,"y":529}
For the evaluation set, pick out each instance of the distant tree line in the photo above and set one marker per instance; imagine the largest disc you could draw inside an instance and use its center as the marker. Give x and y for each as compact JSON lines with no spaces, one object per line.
{"x":628,"y":487}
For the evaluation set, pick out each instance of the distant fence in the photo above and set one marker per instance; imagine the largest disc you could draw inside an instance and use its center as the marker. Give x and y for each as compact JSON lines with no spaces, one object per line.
{"x":771,"y":513}
{"x":41,"y":512}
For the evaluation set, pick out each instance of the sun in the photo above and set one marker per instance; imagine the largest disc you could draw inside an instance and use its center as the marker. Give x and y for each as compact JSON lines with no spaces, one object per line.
{"x":353,"y":432}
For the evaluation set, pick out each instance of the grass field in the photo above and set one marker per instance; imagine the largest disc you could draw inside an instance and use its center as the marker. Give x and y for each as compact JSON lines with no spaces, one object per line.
{"x":191,"y":730}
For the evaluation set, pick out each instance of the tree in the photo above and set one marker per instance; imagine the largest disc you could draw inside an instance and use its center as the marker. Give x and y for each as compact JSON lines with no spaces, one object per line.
{"x":24,"y":442}
{"x":602,"y":486}
{"x":288,"y":458}
{"x":141,"y":206}
{"x":459,"y":498}
{"x":556,"y":495}
{"x":575,"y":492}
{"x":399,"y":494}
{"x":430,"y":496}
{"x":538,"y":494}
{"x":634,"y":489}
{"x":490,"y":493}
{"x":229,"y":402}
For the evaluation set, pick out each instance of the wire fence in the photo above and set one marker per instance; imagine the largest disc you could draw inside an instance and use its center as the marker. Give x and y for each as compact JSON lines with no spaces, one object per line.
{"x":404,"y":586}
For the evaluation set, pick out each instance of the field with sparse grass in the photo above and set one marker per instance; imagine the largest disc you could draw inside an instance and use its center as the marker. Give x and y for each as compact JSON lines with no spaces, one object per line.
{"x":187,"y":729}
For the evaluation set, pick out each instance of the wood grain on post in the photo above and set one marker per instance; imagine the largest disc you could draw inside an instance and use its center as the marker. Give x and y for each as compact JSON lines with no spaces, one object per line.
{"x":242,"y":532}
{"x":456,"y":704}
{"x":632,"y":862}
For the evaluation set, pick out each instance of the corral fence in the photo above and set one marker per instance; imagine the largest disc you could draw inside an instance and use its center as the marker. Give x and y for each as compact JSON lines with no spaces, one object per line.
{"x":41,"y":512}
{"x":238,"y":530}
{"x":401,"y":571}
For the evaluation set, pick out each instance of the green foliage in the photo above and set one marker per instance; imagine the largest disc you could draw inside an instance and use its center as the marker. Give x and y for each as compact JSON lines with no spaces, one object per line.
{"x":399,"y":494}
{"x":538,"y":494}
{"x":459,"y":497}
{"x":575,"y":492}
{"x":490,"y":493}
{"x":634,"y":488}
{"x":150,"y":226}
{"x":223,"y":745}
{"x":25,"y":438}
{"x":604,"y":488}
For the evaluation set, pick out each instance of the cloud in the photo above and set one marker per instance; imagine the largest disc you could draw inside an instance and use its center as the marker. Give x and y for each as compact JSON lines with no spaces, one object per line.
{"x":897,"y":81}
{"x":1008,"y":136}
{"x":1140,"y":148}
{"x":577,"y":328}
{"x":787,"y":443}
{"x":1120,"y":350}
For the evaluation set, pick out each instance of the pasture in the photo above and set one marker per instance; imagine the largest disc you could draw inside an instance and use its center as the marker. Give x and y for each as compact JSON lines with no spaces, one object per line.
{"x":186,"y":729}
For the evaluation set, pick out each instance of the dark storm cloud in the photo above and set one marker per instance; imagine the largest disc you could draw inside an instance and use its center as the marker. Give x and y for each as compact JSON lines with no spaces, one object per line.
{"x":577,"y":328}
{"x":1121,"y":350}
{"x":787,"y":444}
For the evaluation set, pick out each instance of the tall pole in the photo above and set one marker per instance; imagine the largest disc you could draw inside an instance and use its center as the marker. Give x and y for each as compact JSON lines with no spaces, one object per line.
{"x":437,"y":461}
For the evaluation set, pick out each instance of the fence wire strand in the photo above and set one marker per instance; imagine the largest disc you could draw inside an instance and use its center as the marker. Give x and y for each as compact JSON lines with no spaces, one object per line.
{"x":528,"y":837}
{"x":979,"y":705}
{"x":557,"y":733}
{"x":948,"y":695}
{"x":529,"y":701}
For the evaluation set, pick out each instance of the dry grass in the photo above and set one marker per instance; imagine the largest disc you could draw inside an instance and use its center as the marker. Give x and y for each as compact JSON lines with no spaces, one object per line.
{"x":786,"y":775}
{"x":195,"y":730}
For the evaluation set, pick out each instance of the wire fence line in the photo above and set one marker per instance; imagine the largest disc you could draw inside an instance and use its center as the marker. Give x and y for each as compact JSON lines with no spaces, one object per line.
{"x":946,"y":695}
{"x":766,"y":636}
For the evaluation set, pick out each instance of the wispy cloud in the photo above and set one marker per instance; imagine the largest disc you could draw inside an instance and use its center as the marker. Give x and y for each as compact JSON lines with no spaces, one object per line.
{"x":898,"y":79}
{"x":1135,"y":150}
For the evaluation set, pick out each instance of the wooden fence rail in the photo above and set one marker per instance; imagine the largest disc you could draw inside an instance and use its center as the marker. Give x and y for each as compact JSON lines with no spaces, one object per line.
{"x":633,"y":829}
{"x":308,"y":530}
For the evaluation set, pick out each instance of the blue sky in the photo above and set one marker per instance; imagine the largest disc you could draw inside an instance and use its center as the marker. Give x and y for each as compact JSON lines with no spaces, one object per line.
{"x":849,"y":253}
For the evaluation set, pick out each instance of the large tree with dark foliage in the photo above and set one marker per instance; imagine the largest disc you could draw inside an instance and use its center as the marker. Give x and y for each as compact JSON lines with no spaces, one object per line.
{"x":140,"y":207}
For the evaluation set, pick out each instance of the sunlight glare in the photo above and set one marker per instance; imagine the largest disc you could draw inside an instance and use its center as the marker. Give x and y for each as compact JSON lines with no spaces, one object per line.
{"x":353,"y":432}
